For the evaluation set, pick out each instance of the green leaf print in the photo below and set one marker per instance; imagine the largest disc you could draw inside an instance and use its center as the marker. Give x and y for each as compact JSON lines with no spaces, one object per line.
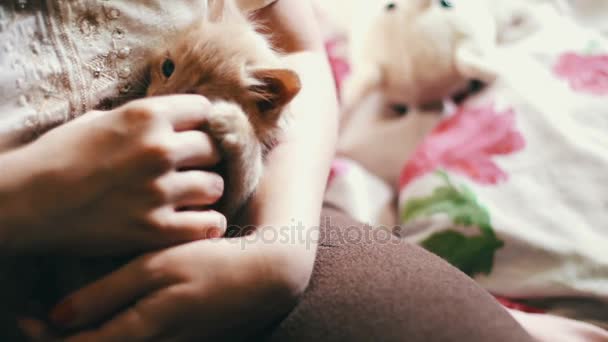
{"x":471,"y":254}
{"x":459,"y":204}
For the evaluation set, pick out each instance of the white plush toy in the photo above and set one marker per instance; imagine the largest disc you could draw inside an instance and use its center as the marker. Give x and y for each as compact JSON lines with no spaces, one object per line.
{"x":420,"y":51}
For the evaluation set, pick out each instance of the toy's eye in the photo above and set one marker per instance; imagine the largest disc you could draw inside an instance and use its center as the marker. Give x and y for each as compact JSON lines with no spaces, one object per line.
{"x":391,"y":6}
{"x":400,"y":110}
{"x":446,"y":3}
{"x":168,"y":68}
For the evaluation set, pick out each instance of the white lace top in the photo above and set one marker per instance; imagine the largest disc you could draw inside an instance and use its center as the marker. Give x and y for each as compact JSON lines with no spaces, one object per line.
{"x":60,"y":59}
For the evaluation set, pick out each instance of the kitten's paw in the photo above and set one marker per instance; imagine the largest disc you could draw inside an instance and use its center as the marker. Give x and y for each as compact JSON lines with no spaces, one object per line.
{"x":232,"y":140}
{"x":229,"y":125}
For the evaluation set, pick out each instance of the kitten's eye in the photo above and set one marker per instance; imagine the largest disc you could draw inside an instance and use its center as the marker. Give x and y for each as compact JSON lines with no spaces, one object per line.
{"x":168,"y":68}
{"x":446,"y":3}
{"x":391,"y":6}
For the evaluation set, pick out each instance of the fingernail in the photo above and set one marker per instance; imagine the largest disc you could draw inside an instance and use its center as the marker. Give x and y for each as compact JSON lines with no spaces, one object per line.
{"x":219,"y":186}
{"x":215,"y":234}
{"x":63,"y":314}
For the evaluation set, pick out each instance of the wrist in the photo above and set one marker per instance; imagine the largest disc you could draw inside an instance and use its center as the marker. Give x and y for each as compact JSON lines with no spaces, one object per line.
{"x":17,"y":185}
{"x":288,"y":253}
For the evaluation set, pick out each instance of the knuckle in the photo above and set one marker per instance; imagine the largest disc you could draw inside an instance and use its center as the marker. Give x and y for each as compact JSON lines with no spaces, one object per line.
{"x":162,"y":268}
{"x":156,"y":155}
{"x":156,"y":192}
{"x":138,"y":113}
{"x":150,"y":221}
{"x":155,"y":149}
{"x":141,"y":328}
{"x":160,"y":224}
{"x":137,"y":325}
{"x":156,"y":223}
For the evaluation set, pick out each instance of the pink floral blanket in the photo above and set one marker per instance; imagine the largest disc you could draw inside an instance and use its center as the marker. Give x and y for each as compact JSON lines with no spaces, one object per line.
{"x":511,"y":186}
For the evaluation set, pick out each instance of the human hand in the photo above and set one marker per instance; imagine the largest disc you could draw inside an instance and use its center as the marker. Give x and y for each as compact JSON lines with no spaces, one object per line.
{"x":118,"y":181}
{"x":214,"y":289}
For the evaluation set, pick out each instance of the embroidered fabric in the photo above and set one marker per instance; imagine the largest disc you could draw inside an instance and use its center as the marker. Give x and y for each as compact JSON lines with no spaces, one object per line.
{"x":60,"y":59}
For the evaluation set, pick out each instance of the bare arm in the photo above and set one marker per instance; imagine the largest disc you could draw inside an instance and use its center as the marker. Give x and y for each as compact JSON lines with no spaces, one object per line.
{"x":291,"y":191}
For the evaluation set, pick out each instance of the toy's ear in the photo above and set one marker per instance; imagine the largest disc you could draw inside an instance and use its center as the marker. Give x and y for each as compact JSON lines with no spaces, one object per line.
{"x":275,"y":90}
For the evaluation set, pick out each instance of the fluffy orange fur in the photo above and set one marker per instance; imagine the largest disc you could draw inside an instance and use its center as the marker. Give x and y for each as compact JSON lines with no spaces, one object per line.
{"x":225,"y":59}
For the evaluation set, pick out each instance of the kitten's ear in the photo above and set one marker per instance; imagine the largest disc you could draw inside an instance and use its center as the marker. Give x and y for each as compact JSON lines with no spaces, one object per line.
{"x":221,"y":10}
{"x":276,"y":89}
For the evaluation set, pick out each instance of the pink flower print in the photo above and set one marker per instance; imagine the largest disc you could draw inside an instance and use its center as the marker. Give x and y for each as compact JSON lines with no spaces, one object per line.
{"x":339,"y":167}
{"x":585,"y":73}
{"x":465,"y":143}
{"x":514,"y":305}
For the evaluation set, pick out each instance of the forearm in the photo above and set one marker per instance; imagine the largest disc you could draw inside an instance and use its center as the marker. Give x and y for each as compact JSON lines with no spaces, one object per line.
{"x":289,"y":199}
{"x":296,"y":174}
{"x":288,"y":202}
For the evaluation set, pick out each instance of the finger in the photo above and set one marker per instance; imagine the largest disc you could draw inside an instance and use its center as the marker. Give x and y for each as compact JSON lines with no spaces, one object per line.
{"x":184,"y":111}
{"x":197,"y":225}
{"x":187,"y":112}
{"x":129,"y":326}
{"x":172,"y":227}
{"x":195,"y":149}
{"x":145,"y":321}
{"x":192,"y":188}
{"x":108,"y":295}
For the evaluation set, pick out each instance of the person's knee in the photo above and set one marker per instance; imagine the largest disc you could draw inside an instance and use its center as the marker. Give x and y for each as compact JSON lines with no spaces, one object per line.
{"x":337,"y":229}
{"x":391,"y":288}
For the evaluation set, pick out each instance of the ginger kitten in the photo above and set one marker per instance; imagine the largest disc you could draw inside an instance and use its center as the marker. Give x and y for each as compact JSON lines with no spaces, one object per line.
{"x":226,"y":60}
